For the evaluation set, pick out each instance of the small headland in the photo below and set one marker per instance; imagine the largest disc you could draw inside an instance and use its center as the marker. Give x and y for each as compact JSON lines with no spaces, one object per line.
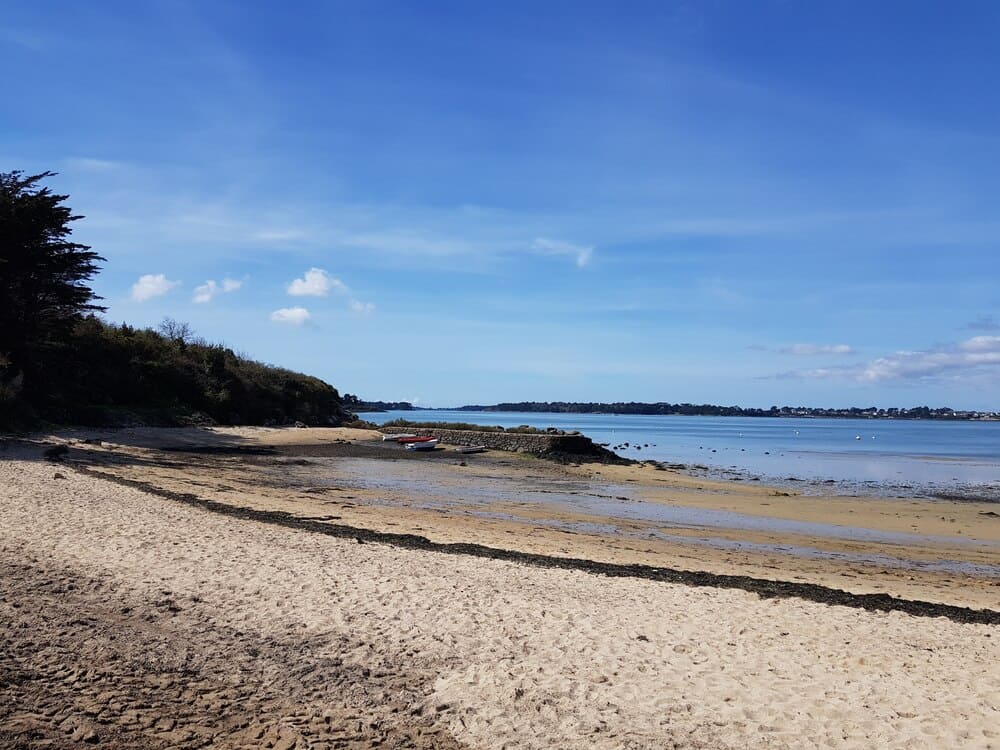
{"x":552,"y":444}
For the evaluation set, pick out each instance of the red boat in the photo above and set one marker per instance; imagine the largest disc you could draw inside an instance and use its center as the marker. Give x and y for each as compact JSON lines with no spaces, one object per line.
{"x":405,"y":440}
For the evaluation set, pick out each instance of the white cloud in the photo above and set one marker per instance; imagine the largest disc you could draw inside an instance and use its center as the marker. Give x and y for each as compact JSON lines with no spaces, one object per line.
{"x":295,"y":316}
{"x":362,"y":308}
{"x":979,"y":355}
{"x":210,"y":289}
{"x":206,"y":292}
{"x":981,"y":344}
{"x":151,"y":285}
{"x":315,"y":283}
{"x":581,"y":253}
{"x":806,"y":350}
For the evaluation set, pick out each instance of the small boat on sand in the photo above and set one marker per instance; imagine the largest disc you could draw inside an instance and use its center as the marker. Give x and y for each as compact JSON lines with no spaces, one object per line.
{"x":472,"y":449}
{"x":397,"y":438}
{"x":421,"y":444}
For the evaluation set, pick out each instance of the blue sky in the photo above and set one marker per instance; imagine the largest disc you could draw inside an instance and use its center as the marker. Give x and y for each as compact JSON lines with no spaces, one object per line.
{"x":727,"y":202}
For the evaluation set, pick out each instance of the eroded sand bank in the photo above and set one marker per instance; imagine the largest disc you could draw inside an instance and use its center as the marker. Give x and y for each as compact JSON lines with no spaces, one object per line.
{"x":130,"y":619}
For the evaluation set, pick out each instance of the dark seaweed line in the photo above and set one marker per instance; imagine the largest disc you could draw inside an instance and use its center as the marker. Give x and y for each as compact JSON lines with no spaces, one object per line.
{"x":763,"y":587}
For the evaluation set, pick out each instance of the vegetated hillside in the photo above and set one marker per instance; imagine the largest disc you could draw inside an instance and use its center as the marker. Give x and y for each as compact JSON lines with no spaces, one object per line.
{"x":108,"y":375}
{"x":59,"y":363}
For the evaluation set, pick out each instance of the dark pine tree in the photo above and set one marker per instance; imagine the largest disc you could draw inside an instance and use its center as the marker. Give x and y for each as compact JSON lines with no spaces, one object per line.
{"x":43,"y":280}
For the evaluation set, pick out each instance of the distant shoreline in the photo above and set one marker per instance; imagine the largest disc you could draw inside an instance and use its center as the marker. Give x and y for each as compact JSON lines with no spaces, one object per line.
{"x":699,"y":410}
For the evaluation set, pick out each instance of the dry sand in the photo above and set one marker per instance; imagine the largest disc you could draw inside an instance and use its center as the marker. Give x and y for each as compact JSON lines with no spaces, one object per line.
{"x":132,"y":620}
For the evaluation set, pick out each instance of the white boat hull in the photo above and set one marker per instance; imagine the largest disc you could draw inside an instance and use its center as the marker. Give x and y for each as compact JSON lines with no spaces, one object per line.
{"x":424,"y":445}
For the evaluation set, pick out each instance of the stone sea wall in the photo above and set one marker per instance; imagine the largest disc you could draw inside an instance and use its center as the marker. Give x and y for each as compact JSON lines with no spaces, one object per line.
{"x":538,"y":444}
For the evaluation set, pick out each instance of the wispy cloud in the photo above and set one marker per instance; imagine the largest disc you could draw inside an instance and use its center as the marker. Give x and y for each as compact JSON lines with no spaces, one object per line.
{"x":90,"y":164}
{"x":279,"y":235}
{"x":809,"y":350}
{"x":581,"y":253}
{"x":804,"y":350}
{"x":976,"y":356}
{"x":152,"y":285}
{"x":315,"y":283}
{"x":719,"y":291}
{"x":984,"y":323}
{"x":295,"y":316}
{"x":26,"y":39}
{"x":211,"y":221}
{"x":210,"y":289}
{"x":407,"y":242}
{"x":363,"y":309}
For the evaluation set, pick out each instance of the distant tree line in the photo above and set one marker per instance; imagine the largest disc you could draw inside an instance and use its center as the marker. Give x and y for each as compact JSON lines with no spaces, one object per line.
{"x":665,"y":408}
{"x":357,"y":404}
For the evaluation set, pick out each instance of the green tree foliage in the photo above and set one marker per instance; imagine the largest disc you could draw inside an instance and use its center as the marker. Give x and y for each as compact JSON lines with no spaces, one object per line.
{"x":112,"y":375}
{"x":43,"y":280}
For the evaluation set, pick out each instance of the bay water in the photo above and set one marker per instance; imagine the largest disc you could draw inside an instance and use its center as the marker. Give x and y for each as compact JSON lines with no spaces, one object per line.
{"x":884,"y":456}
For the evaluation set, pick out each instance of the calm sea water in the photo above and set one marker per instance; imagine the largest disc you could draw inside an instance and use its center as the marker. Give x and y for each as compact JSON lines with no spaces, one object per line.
{"x":931,"y":456}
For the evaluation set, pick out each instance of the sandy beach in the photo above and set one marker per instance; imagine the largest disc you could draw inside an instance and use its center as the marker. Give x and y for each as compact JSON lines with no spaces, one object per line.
{"x":942,"y":551}
{"x":190,"y":598}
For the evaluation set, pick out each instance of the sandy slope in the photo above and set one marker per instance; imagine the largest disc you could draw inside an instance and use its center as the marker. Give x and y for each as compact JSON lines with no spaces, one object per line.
{"x":136,"y":621}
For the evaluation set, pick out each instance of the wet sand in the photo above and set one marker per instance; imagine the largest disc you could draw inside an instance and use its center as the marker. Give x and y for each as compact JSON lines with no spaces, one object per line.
{"x":138,"y":617}
{"x":930,"y":550}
